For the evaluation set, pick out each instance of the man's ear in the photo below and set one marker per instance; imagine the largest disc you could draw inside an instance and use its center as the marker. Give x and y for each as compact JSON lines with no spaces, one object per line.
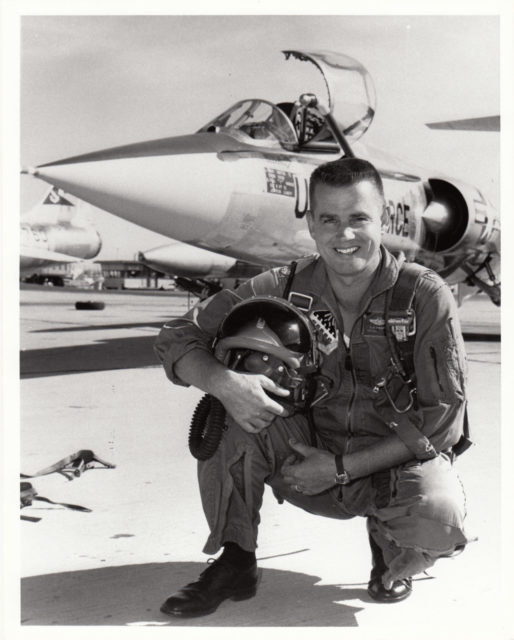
{"x":310,"y":221}
{"x":384,"y":219}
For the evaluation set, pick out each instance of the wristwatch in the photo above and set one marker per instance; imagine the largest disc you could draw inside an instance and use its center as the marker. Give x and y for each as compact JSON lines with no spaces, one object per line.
{"x":342,"y":476}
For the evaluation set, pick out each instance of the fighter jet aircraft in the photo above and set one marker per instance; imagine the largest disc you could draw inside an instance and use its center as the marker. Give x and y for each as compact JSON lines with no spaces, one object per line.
{"x":53,"y":233}
{"x":239,"y":185}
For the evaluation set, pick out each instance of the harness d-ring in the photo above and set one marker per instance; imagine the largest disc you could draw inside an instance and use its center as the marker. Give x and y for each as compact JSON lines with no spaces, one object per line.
{"x":382,"y":384}
{"x":393,"y":404}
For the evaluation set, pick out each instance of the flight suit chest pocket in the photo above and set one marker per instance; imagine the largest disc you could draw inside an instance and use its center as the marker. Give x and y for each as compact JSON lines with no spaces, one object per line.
{"x":361,"y":362}
{"x":372,"y":347}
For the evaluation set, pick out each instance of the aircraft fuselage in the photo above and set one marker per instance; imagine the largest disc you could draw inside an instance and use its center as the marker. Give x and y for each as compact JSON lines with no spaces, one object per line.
{"x":242,"y":200}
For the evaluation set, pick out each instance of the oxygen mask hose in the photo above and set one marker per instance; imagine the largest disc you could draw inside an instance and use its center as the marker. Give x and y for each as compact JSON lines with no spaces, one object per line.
{"x":206,"y":428}
{"x":208,"y":423}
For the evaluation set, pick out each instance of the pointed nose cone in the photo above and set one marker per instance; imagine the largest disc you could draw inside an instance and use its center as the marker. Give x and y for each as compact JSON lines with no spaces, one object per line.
{"x":176,"y":186}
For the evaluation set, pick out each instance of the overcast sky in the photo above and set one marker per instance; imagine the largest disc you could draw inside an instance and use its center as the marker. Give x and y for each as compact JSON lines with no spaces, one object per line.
{"x":91,"y":82}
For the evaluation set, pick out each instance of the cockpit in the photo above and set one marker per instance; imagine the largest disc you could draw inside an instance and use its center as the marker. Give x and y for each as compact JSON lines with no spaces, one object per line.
{"x":255,"y":120}
{"x":300,"y":125}
{"x":285,"y":124}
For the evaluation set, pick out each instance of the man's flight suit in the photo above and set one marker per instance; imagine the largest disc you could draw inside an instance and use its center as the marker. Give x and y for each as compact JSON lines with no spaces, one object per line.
{"x":415,"y":511}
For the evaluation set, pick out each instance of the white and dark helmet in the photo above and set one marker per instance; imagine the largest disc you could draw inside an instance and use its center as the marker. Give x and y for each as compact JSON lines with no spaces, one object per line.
{"x":270,"y":336}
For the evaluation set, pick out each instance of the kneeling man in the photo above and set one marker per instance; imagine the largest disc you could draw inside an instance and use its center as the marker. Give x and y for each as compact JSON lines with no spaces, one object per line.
{"x":377,"y":439}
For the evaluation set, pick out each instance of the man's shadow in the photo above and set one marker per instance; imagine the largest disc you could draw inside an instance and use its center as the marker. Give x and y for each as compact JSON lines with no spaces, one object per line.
{"x":132,"y":594}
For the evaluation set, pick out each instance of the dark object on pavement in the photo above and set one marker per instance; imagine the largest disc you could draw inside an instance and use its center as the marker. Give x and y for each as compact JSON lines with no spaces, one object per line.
{"x":89,"y":305}
{"x":72,"y":466}
{"x":28,"y":494}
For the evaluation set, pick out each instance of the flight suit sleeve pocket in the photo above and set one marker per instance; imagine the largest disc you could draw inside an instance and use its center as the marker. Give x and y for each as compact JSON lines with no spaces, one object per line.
{"x":445,"y":370}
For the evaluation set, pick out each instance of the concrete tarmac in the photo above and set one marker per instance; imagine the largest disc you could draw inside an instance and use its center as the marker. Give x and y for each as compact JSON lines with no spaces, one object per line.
{"x":90,"y":380}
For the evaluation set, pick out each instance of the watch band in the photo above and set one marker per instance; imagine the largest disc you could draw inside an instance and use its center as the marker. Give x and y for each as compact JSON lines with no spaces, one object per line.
{"x":342,"y":476}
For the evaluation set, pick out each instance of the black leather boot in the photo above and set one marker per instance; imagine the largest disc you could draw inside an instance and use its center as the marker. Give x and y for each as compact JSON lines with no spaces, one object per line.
{"x":220,"y":581}
{"x":400,"y":590}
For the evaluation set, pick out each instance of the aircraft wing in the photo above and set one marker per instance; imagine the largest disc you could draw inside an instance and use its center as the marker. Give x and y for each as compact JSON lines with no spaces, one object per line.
{"x":487,"y":123}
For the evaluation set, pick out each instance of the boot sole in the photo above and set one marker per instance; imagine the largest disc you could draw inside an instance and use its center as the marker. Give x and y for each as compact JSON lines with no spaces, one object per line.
{"x":244,"y":594}
{"x":389,"y":600}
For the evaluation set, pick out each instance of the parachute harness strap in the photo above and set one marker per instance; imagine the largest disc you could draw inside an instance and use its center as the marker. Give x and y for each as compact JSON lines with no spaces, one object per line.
{"x":312,"y":386}
{"x":290,"y":278}
{"x":397,"y":363}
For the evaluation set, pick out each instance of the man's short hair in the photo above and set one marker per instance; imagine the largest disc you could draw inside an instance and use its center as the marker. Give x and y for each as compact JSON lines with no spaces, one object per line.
{"x":345,"y":172}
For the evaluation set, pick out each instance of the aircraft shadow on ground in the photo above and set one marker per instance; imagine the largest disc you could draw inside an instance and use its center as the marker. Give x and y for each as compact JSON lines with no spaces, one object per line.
{"x":131,"y":595}
{"x":103,"y":327}
{"x":470,"y":336}
{"x":117,"y":353}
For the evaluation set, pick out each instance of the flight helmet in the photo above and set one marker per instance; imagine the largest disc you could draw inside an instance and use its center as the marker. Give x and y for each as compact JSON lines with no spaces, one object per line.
{"x":270,"y":336}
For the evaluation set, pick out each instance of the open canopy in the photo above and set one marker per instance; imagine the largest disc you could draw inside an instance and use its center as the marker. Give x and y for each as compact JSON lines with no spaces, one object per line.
{"x":351,"y":93}
{"x":350,"y":99}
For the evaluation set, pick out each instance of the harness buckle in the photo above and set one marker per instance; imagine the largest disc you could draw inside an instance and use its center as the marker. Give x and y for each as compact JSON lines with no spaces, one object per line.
{"x":379,"y":385}
{"x":412,"y":329}
{"x":403,"y":327}
{"x":300,"y":300}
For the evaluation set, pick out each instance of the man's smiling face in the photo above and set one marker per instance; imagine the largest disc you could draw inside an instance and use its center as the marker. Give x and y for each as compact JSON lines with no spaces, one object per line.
{"x":346,"y":224}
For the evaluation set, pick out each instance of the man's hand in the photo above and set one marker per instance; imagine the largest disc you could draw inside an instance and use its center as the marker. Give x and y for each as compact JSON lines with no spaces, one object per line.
{"x":309,"y":471}
{"x":244,"y":398}
{"x":242,"y":394}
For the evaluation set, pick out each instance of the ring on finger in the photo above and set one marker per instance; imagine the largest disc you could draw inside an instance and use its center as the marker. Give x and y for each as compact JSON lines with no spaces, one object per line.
{"x":298,"y":488}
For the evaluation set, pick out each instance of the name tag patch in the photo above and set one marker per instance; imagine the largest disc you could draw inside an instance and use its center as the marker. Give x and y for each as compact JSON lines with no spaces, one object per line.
{"x":402,"y":326}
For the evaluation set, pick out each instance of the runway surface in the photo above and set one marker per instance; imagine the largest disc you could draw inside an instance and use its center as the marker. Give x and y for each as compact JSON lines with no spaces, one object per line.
{"x":90,"y":380}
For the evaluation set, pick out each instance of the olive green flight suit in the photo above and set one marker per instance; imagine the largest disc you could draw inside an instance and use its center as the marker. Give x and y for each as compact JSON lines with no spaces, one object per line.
{"x":414,"y":511}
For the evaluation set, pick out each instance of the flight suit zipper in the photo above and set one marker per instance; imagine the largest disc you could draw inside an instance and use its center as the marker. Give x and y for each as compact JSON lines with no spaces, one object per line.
{"x":348,"y":365}
{"x":333,"y":307}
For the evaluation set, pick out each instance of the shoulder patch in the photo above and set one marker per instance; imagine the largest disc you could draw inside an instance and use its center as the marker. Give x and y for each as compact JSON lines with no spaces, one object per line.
{"x":326,"y":330}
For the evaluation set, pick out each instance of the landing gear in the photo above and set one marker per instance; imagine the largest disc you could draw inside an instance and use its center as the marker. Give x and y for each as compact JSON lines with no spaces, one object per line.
{"x":198,"y":287}
{"x":492,"y":288}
